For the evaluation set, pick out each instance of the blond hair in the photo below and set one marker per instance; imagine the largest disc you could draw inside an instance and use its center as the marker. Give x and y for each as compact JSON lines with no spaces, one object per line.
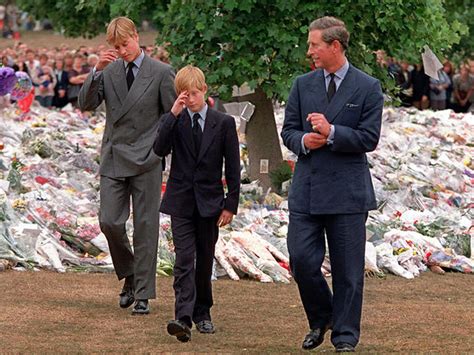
{"x":189,"y":77}
{"x":120,"y":29}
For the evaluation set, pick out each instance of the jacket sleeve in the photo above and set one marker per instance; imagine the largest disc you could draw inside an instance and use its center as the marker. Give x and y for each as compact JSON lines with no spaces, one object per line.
{"x":92,"y":92}
{"x":164,"y":136}
{"x":365,"y":137}
{"x":292,"y":131}
{"x":232,"y":166}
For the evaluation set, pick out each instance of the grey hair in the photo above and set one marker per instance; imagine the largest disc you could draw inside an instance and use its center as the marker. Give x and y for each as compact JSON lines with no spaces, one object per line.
{"x":332,"y":29}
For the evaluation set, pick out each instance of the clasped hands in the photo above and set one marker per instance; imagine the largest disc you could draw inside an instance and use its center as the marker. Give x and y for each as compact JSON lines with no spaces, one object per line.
{"x":321,"y":128}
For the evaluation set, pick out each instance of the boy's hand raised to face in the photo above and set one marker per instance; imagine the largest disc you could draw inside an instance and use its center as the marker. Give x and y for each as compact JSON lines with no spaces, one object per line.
{"x":179,"y":104}
{"x":106,"y":57}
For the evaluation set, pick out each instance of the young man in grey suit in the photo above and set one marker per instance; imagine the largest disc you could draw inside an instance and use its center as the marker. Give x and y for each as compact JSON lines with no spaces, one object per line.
{"x":137,"y":90}
{"x":333,"y":117}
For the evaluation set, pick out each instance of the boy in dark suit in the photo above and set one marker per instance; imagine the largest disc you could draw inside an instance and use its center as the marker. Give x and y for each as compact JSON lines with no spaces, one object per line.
{"x":202,"y":141}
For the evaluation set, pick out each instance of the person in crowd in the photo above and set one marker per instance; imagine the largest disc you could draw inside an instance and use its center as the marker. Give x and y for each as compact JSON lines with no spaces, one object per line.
{"x":6,"y":61}
{"x":420,"y":83}
{"x":46,"y":82}
{"x":31,"y":62}
{"x":137,"y":90}
{"x":448,"y":68}
{"x":438,"y":89}
{"x":77,"y":76}
{"x":463,"y":84}
{"x":161,"y":54}
{"x":403,"y":81}
{"x":201,"y":140}
{"x":60,"y":98}
{"x":68,"y":61}
{"x":92,"y":60}
{"x":470,"y":63}
{"x":333,"y":118}
{"x":20,"y":64}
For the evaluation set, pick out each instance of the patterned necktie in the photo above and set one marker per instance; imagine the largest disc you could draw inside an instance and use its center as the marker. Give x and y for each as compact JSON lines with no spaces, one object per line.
{"x":197,"y":132}
{"x":130,"y":76}
{"x":331,"y":87}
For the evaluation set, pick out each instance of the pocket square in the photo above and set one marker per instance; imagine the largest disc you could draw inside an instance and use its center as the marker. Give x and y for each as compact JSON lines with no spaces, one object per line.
{"x":351,"y":105}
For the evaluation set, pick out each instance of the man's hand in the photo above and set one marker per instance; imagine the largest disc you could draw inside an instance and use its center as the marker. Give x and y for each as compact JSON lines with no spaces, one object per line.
{"x":106,"y":57}
{"x":319,"y":123}
{"x":314,"y":141}
{"x":180,"y":103}
{"x":225,"y":218}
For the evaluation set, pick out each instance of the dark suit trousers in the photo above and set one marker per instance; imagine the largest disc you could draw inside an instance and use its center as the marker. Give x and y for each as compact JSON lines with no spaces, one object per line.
{"x":145,"y":190}
{"x":194,"y":241}
{"x":346,"y":242}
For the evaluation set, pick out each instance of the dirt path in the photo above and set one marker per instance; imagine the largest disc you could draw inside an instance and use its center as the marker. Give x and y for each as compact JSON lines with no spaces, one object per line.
{"x":49,"y":312}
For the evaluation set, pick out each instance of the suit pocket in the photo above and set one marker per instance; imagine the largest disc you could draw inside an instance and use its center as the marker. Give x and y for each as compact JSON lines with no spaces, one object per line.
{"x":176,"y":176}
{"x":349,"y":117}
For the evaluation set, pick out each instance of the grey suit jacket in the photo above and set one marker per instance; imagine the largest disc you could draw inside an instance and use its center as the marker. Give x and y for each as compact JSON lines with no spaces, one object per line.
{"x":131,"y":116}
{"x":334,"y":179}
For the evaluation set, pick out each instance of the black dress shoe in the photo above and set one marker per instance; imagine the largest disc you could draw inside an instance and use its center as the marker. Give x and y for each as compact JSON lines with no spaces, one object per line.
{"x":180,"y":330}
{"x":141,"y":307}
{"x":344,"y":348}
{"x":205,"y":326}
{"x":315,"y":337}
{"x":126,"y":298}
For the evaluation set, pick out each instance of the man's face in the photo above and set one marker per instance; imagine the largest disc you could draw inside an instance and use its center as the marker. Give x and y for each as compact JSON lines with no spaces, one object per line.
{"x":129,"y":49}
{"x":196,"y":99}
{"x":320,"y":52}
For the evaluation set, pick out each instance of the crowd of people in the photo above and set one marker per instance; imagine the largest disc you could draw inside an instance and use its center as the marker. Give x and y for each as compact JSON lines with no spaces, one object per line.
{"x":58,"y":73}
{"x":454,"y":88}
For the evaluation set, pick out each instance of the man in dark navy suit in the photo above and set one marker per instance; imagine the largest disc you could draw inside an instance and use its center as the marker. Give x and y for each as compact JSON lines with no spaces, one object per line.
{"x":333,"y":117}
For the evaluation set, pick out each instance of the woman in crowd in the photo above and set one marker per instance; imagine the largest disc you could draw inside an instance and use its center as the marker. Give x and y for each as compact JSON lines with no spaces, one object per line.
{"x":463,"y":89}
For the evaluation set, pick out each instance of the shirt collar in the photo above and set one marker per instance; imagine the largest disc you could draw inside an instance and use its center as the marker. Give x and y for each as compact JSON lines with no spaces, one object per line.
{"x":202,"y":113}
{"x":138,"y":60}
{"x":341,"y":72}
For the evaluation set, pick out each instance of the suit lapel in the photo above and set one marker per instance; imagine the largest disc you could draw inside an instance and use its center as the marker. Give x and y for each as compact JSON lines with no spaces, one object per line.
{"x":345,"y":91}
{"x":140,"y":84}
{"x":186,"y":131}
{"x":119,"y":81}
{"x":208,"y":134}
{"x":318,"y":86}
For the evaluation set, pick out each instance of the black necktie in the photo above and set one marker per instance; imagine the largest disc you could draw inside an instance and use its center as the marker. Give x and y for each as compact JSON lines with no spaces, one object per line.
{"x":331,"y":87}
{"x":130,"y":76}
{"x":197,"y":132}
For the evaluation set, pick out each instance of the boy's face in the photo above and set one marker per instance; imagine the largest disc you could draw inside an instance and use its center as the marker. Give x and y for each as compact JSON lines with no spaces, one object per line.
{"x":196,"y":99}
{"x":129,"y":49}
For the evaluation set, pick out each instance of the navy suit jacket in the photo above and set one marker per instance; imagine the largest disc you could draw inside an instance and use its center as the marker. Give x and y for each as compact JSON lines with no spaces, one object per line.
{"x":334,"y":179}
{"x":195,"y":180}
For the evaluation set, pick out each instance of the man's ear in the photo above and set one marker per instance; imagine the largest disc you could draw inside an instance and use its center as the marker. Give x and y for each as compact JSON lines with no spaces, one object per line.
{"x":204,"y":89}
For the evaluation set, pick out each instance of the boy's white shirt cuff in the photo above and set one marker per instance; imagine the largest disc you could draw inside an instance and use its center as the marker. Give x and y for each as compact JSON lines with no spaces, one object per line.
{"x":96,"y":73}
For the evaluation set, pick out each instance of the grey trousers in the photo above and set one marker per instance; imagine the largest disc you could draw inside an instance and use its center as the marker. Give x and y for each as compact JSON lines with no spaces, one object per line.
{"x":145,"y":190}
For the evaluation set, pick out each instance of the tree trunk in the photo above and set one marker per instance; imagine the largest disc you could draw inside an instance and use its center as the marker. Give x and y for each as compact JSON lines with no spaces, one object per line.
{"x":262,"y":138}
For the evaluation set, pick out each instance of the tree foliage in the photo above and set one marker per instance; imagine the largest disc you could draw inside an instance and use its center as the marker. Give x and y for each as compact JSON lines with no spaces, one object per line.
{"x":463,"y":12}
{"x":90,"y":17}
{"x":263,"y":42}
